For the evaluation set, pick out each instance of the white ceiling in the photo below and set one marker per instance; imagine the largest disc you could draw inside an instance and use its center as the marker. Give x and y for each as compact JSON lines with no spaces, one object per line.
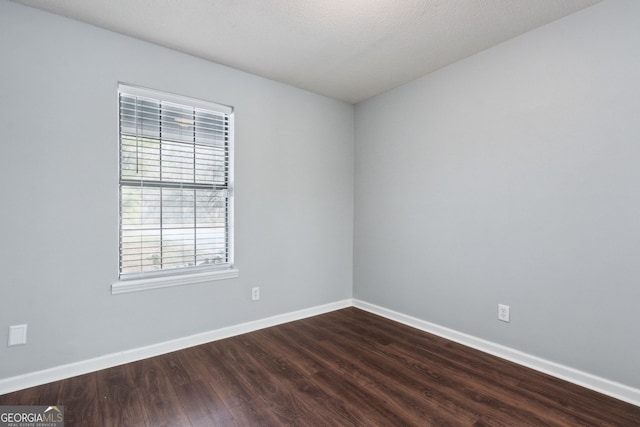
{"x":346,"y":49}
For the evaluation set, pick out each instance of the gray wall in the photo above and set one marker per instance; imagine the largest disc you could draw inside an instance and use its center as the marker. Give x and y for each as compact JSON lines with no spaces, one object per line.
{"x":513,"y":177}
{"x":510,"y":177}
{"x":59,"y":174}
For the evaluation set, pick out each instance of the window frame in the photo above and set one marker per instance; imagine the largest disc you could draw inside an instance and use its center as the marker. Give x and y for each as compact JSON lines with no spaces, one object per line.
{"x":138,"y":281}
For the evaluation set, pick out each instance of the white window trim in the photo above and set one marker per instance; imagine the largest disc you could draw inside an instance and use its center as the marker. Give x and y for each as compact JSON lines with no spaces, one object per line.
{"x":180,"y":278}
{"x":178,"y":99}
{"x":126,"y":286}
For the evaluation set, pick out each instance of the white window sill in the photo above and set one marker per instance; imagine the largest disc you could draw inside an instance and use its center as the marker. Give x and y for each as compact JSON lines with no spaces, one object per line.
{"x":125,"y":286}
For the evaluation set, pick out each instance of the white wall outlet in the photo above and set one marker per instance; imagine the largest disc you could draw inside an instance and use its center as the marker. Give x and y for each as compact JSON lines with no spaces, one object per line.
{"x":503,"y":312}
{"x":255,"y":293}
{"x":17,"y":335}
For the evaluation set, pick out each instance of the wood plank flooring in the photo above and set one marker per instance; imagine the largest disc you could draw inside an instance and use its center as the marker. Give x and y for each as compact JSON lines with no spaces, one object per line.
{"x":345,"y":368}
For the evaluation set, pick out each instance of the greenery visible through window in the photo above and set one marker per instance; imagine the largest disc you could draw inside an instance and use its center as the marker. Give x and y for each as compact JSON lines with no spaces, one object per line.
{"x":175,"y":183}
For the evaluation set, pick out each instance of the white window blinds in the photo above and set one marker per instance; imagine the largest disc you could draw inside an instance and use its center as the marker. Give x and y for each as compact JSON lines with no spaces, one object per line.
{"x":175,"y":183}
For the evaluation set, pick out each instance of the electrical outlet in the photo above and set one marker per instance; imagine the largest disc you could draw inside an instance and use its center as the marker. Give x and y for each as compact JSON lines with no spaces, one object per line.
{"x":503,"y":312}
{"x":255,"y":293}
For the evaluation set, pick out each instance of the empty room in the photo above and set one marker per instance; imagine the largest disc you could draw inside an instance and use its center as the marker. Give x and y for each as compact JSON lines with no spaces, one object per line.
{"x":286,"y":212}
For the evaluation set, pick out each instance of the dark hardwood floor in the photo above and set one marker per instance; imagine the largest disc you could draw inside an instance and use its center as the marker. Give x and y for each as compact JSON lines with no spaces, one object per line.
{"x":347,"y":367}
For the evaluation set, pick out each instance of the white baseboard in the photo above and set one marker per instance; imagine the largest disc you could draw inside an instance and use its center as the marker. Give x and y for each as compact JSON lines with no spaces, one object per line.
{"x":601,"y":385}
{"x":57,"y":373}
{"x":584,"y":379}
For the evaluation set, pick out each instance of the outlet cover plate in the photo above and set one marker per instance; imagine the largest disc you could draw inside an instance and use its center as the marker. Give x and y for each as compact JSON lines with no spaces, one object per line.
{"x":503,"y":312}
{"x":17,"y":335}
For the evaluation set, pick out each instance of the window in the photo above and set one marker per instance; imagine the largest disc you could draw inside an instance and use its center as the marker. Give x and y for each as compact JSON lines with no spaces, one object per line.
{"x":176,"y":185}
